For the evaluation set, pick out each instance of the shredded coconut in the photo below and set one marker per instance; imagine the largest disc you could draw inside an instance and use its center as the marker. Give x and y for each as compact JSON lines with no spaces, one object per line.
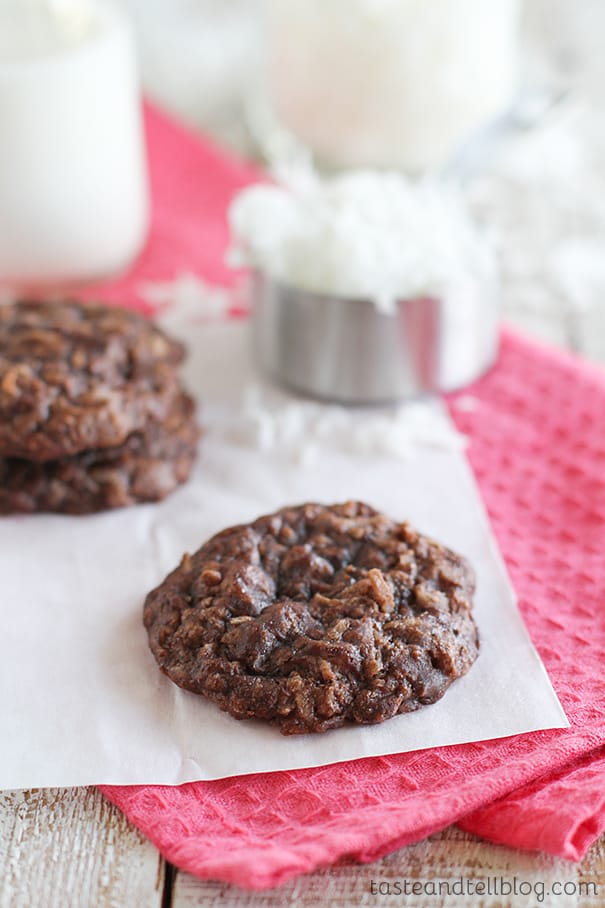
{"x":188,"y":298}
{"x":270,"y":420}
{"x":466,"y":403}
{"x":364,"y":234}
{"x":266,"y":418}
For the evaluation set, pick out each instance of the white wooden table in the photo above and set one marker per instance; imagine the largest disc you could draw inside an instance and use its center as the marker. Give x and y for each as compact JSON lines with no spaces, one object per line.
{"x":70,"y":847}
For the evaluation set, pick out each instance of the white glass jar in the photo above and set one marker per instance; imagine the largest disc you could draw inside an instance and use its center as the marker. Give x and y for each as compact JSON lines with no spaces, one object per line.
{"x":389,"y":83}
{"x":73,"y":180}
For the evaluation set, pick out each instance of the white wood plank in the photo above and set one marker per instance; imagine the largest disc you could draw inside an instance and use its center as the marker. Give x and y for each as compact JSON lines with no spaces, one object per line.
{"x":452,"y":858}
{"x":71,"y":847}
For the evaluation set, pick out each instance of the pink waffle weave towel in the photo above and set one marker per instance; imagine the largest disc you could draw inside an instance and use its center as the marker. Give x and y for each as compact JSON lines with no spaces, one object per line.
{"x":538,"y":451}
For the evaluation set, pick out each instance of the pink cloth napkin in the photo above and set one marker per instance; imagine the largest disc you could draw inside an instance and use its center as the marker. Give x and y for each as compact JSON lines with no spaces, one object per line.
{"x":538,"y":450}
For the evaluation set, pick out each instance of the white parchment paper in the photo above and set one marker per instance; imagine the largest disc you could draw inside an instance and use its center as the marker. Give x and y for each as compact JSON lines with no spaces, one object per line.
{"x":82,"y":700}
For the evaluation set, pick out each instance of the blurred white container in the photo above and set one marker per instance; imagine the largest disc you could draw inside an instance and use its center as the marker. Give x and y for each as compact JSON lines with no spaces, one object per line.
{"x":73,"y":179}
{"x":389,"y":83}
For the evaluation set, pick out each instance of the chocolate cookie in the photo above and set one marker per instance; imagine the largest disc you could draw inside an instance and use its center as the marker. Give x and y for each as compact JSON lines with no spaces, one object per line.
{"x":316,"y":616}
{"x":148,"y":466}
{"x":76,"y":376}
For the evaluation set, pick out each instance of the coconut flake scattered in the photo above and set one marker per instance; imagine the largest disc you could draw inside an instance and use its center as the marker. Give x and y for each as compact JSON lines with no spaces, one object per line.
{"x":267,"y":418}
{"x":375,"y":235}
{"x":466,"y":403}
{"x":270,"y":420}
{"x":188,"y":299}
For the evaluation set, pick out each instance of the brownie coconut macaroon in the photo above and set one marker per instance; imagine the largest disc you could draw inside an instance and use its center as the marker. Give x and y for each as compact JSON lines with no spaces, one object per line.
{"x":315,"y":617}
{"x":92,"y":411}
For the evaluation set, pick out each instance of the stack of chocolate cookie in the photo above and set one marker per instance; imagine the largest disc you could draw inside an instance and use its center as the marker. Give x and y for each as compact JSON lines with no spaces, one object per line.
{"x":92,"y":411}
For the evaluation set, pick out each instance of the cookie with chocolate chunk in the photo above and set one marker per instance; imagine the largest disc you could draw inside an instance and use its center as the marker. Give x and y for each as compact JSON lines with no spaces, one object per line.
{"x":316,"y":616}
{"x":80,"y":376}
{"x":149,"y":465}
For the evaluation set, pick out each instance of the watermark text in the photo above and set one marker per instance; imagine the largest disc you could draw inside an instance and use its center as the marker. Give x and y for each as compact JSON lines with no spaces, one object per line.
{"x":481,"y":886}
